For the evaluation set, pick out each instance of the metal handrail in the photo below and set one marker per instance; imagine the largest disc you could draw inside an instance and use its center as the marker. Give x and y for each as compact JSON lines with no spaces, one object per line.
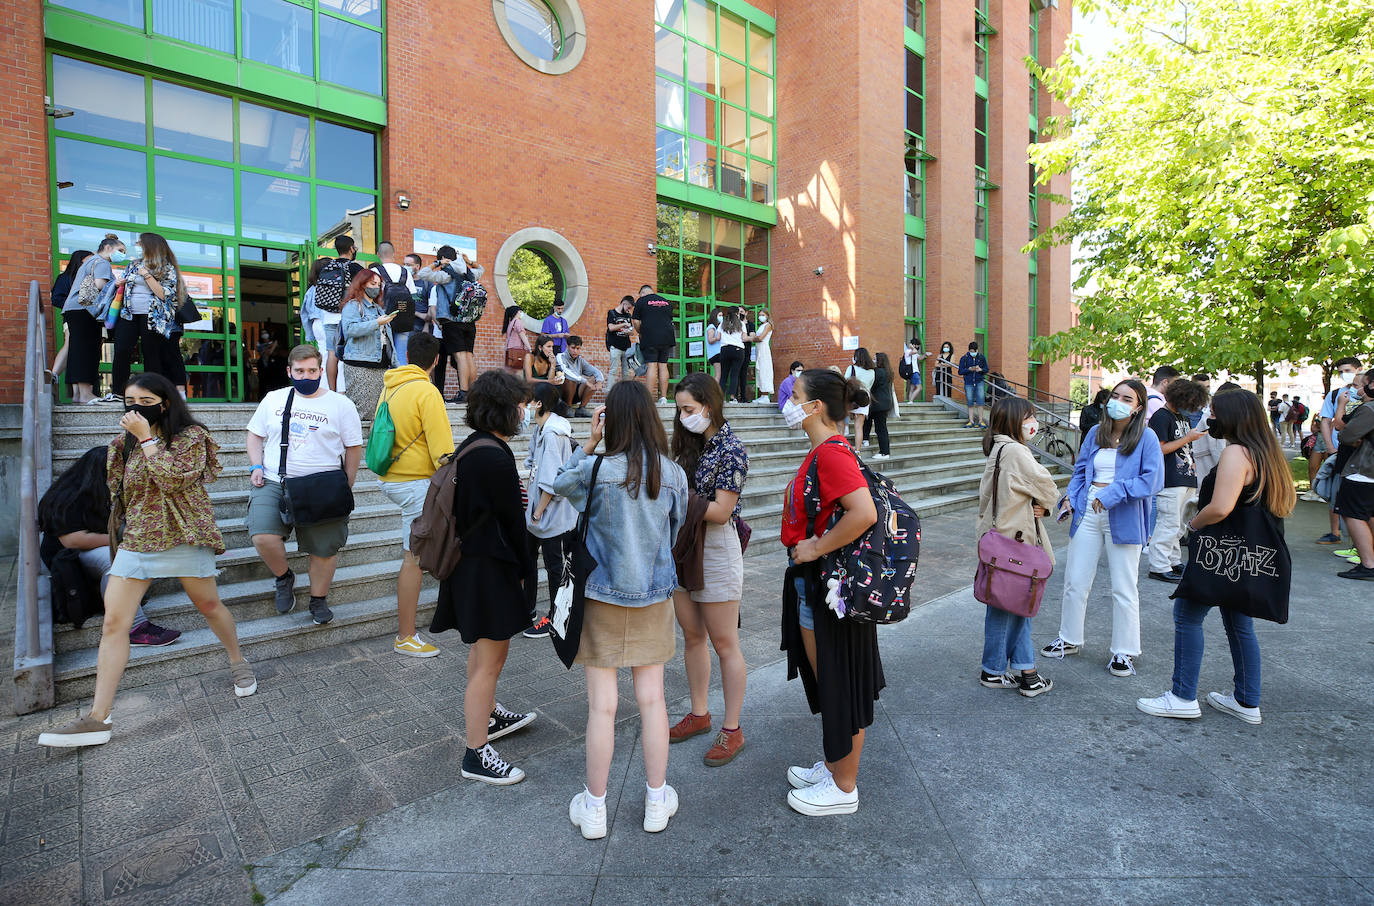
{"x":33,"y":644}
{"x":1053,"y":421}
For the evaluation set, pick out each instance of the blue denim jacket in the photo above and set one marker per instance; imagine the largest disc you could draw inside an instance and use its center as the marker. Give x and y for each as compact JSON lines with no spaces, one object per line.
{"x":630,"y":537}
{"x":358,"y":324}
{"x":1139,"y":477}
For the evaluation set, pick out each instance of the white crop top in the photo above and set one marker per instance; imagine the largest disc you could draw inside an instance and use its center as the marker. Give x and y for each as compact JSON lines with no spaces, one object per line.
{"x":1104,"y":466}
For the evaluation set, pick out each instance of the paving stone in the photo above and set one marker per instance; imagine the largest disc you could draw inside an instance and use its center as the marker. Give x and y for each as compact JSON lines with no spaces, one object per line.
{"x":429,"y":887}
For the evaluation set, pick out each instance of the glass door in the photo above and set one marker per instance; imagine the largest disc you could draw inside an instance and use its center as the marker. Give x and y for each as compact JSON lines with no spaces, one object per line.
{"x":268,"y":293}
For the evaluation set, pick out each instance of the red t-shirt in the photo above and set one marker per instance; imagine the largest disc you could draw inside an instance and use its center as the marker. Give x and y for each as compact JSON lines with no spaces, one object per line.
{"x":838,"y":473}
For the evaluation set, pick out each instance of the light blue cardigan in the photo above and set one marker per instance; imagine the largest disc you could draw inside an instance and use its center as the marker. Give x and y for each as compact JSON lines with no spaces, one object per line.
{"x":1139,"y":477}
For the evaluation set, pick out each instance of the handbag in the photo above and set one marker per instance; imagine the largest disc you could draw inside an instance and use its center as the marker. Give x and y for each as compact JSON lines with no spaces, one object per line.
{"x":1012,"y":573}
{"x":310,"y":499}
{"x":1242,"y":563}
{"x":186,"y":312}
{"x":569,"y":602}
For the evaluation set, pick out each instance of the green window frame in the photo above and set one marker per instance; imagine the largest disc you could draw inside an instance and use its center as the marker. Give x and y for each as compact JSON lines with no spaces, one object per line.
{"x":1035,"y":55}
{"x":982,"y":30}
{"x":715,"y":110}
{"x":914,"y":286}
{"x":980,"y":301}
{"x":179,"y":36}
{"x":981,"y":183}
{"x":915,"y":155}
{"x":707,"y":259}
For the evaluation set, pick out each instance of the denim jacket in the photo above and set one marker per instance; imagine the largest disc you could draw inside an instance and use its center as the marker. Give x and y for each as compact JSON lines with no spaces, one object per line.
{"x":358,"y":324}
{"x":1139,"y":477}
{"x":630,"y":537}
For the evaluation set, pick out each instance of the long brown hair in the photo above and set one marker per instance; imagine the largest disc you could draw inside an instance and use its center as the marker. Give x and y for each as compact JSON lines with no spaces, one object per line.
{"x":1240,"y":418}
{"x":688,"y":445}
{"x":1008,"y":414}
{"x":158,"y":256}
{"x":633,"y":428}
{"x":1135,"y":428}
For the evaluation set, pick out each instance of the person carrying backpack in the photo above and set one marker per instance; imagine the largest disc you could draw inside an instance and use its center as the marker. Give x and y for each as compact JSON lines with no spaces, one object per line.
{"x":457,"y":319}
{"x":836,"y":658}
{"x":398,"y":291}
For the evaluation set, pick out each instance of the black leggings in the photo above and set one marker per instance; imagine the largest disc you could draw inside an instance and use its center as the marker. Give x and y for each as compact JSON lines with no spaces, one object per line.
{"x":84,"y":335}
{"x":160,"y":354}
{"x":878,"y":420}
{"x":552,"y":551}
{"x":732,"y":361}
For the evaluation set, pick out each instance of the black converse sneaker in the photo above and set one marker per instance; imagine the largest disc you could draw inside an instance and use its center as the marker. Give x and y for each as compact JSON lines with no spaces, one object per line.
{"x":485,"y":765}
{"x":504,"y":721}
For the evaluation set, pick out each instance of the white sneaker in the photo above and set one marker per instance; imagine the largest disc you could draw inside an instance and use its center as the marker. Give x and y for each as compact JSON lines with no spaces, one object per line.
{"x":656,"y":814}
{"x":801,"y":777}
{"x":662,"y":401}
{"x":591,"y":821}
{"x":877,"y":456}
{"x":824,"y":798}
{"x":1169,"y":705}
{"x":1227,"y":704}
{"x":1311,"y":497}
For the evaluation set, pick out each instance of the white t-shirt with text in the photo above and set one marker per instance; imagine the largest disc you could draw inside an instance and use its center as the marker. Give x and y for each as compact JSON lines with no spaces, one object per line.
{"x":320,"y":430}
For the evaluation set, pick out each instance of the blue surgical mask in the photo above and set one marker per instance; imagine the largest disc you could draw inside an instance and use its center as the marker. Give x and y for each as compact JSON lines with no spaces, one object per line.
{"x":137,"y":252}
{"x":1117,"y":409}
{"x":119,"y":255}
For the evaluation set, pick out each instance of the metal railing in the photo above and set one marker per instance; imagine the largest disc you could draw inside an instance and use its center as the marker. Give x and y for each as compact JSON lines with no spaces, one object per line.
{"x":33,"y":644}
{"x":1058,"y":439}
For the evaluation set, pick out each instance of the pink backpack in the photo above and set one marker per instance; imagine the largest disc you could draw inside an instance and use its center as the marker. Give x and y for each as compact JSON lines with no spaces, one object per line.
{"x":1012,"y":573}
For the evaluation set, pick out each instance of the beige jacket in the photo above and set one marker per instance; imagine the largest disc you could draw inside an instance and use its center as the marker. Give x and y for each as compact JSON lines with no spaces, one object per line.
{"x":1024,"y":481}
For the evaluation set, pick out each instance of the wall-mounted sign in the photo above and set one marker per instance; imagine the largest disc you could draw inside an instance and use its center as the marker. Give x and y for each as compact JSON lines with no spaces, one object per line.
{"x":695,"y":328}
{"x":696,"y":349}
{"x":427,"y":242}
{"x":849,"y":344}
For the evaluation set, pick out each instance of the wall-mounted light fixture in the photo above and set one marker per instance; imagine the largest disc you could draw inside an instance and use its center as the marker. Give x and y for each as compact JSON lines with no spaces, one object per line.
{"x":56,"y":113}
{"x":403,"y":201}
{"x":819,"y":271}
{"x":653,"y":249}
{"x":65,"y":184}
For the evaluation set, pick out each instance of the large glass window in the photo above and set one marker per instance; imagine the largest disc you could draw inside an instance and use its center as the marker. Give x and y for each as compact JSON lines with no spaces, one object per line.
{"x":713,"y":83}
{"x":914,"y":187}
{"x":980,"y":167}
{"x":980,"y":301}
{"x":914,"y":309}
{"x":280,"y":33}
{"x":981,"y":32}
{"x":219,"y":165}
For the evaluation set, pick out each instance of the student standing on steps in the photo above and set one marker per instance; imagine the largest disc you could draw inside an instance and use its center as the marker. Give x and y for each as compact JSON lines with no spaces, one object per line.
{"x":716,"y":464}
{"x":424,"y":436}
{"x":158,"y":468}
{"x":837,"y":659}
{"x":325,"y":434}
{"x":635,"y":500}
{"x":1119,"y":469}
{"x":485,"y":596}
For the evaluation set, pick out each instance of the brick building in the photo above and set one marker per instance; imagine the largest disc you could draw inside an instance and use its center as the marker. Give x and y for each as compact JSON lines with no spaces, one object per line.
{"x":723,"y":151}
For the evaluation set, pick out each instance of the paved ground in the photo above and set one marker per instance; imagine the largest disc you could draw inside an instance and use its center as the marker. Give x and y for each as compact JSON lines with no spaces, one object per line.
{"x":338,"y":781}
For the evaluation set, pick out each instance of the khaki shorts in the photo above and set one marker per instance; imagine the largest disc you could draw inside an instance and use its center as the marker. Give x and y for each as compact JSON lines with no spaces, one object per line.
{"x":722,"y":566}
{"x":264,"y":518}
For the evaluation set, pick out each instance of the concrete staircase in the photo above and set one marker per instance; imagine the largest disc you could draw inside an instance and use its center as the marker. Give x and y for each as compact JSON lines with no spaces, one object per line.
{"x":935,"y":463}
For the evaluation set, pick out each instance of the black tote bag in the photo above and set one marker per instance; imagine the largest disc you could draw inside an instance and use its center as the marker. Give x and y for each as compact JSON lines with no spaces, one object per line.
{"x":1241,"y":563}
{"x":569,"y":602}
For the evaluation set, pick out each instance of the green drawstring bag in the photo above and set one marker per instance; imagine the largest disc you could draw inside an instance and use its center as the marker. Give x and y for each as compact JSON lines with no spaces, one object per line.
{"x":381,"y":440}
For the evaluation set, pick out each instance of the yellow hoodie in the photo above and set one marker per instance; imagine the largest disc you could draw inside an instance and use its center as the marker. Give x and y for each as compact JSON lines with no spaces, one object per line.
{"x":416,"y":408}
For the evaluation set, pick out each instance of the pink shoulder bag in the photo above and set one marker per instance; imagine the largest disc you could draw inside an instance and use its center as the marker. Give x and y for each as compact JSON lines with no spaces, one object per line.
{"x":1011,"y":572}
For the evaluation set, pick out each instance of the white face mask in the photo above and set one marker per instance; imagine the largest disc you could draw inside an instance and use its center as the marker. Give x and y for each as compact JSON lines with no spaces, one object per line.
{"x":1029,"y":429}
{"x":794,"y":413}
{"x":1347,"y":377}
{"x":763,"y":319}
{"x":1116,"y":409}
{"x":696,"y":422}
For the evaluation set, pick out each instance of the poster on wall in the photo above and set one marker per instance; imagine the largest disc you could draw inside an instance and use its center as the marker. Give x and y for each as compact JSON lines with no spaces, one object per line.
{"x":849,"y":344}
{"x":695,"y":328}
{"x":427,"y":242}
{"x":695,"y":349}
{"x":200,"y":286}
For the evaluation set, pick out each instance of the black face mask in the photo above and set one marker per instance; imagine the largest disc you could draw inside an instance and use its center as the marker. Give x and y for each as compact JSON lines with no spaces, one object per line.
{"x":1214,"y":429}
{"x":152,"y":413}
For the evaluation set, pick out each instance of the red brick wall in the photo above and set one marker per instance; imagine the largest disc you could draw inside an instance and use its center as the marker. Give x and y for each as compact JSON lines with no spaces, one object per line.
{"x":23,"y":184}
{"x":1008,"y":211}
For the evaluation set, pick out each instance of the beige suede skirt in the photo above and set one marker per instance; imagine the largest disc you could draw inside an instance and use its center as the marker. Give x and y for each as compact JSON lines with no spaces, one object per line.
{"x":615,"y":636}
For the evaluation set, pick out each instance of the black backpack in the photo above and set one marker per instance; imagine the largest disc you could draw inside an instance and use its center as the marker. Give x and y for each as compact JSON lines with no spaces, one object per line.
{"x":75,"y":595}
{"x":331,"y":286}
{"x":395,"y":297}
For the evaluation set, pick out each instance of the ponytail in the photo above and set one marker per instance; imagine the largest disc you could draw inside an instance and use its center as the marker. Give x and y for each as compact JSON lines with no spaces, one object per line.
{"x":838,"y":395}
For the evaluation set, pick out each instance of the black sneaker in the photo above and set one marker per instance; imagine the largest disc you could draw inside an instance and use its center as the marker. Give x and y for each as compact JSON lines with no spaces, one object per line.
{"x":319,"y":611}
{"x":1166,"y":577}
{"x":1359,"y":571}
{"x":996,"y":680}
{"x":1031,"y":685}
{"x":504,"y":721}
{"x":285,"y":592}
{"x":485,"y":765}
{"x":1121,"y":665}
{"x":540,"y":629}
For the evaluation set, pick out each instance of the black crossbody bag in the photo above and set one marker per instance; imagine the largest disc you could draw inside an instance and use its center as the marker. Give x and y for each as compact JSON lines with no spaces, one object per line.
{"x":310,"y":499}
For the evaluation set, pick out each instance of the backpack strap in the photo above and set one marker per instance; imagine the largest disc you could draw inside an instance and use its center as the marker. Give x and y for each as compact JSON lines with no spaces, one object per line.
{"x":458,"y":457}
{"x":813,"y":508}
{"x":387,"y":400}
{"x":582,"y":522}
{"x":285,"y":433}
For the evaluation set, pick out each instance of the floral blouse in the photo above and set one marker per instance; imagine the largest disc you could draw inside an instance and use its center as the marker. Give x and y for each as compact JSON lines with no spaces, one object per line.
{"x":722,"y":467}
{"x":164,"y":496}
{"x":161,"y":312}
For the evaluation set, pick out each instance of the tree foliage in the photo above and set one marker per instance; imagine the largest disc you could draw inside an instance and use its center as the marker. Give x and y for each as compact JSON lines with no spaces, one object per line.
{"x":1222,"y":154}
{"x":534,"y":282}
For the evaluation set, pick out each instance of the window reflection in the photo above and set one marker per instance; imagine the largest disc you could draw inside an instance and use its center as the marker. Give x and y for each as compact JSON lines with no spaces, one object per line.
{"x":209,"y":23}
{"x":668,"y":53}
{"x":668,"y":103}
{"x":110,"y":183}
{"x":279,"y":34}
{"x":345,"y":155}
{"x":350,"y":55}
{"x":732,"y":81}
{"x":672,"y":155}
{"x":71,"y":237}
{"x":192,"y":122}
{"x":107,"y":103}
{"x":125,"y":12}
{"x":339,"y":211}
{"x":760,"y":49}
{"x":192,"y":196}
{"x":732,"y":36}
{"x":273,"y":139}
{"x":369,"y":11}
{"x":275,"y":209}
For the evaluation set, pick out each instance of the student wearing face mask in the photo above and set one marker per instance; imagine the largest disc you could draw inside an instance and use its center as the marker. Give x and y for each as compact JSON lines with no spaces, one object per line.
{"x":83,"y":331}
{"x":944,"y":370}
{"x":366,"y":341}
{"x":716,"y":464}
{"x":763,"y":366}
{"x":324,"y":434}
{"x":158,"y":468}
{"x":910,"y":368}
{"x":733,"y":359}
{"x":794,"y":371}
{"x":973,"y":367}
{"x":863,"y":370}
{"x":1355,"y":461}
{"x":1015,"y":493}
{"x":713,"y":342}
{"x":1334,"y":405}
{"x":153,"y":288}
{"x":549,"y":518}
{"x":1119,"y":469}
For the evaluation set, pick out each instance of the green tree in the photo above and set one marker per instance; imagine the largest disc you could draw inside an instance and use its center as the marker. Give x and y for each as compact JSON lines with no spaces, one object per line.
{"x":1223,"y":163}
{"x":534,"y":282}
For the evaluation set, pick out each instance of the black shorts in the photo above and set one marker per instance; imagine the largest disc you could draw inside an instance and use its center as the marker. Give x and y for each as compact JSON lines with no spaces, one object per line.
{"x":458,"y":337}
{"x":1355,"y":500}
{"x":656,"y":354}
{"x":714,"y":360}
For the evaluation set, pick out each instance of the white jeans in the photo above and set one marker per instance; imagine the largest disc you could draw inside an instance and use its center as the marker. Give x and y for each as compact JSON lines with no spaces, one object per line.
{"x":1123,"y":562}
{"x":1164,"y":548}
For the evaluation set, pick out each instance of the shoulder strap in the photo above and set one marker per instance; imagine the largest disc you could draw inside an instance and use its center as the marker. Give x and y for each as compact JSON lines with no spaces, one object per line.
{"x":285,"y":432}
{"x":380,"y":268}
{"x":996,"y":480}
{"x":582,"y":522}
{"x":813,"y":479}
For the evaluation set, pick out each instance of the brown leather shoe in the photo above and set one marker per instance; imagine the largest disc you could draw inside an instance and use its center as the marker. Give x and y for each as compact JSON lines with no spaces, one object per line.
{"x":689,"y":726}
{"x":725,"y":748}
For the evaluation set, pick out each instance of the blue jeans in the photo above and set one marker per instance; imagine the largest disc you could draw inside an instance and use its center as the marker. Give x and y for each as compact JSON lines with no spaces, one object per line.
{"x":1245,"y":653}
{"x":1006,"y":638}
{"x":399,"y":341}
{"x":805,"y":615}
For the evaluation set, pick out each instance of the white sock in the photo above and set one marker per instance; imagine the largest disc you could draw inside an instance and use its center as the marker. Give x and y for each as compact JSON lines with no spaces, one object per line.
{"x":594,"y":801}
{"x":659,"y":794}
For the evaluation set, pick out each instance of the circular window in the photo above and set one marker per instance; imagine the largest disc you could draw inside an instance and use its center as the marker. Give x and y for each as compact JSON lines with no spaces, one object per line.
{"x":534,"y":281}
{"x":533,"y":267}
{"x":547,"y":35}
